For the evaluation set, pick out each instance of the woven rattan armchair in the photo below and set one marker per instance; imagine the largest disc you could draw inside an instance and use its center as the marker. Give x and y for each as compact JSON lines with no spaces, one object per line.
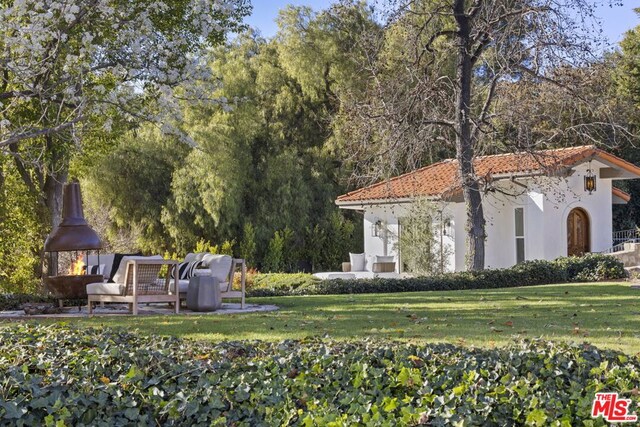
{"x":140,"y":285}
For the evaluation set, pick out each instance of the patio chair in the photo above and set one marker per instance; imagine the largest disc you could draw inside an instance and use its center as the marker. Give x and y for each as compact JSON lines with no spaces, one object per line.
{"x":223,"y":268}
{"x":136,"y":281}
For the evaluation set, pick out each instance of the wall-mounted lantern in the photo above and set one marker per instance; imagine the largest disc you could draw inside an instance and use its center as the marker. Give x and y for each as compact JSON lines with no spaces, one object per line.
{"x":376,"y":228}
{"x":590,"y":180}
{"x":447,"y":228}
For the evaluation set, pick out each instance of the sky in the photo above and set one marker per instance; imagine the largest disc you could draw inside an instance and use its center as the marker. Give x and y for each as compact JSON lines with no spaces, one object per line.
{"x":616,"y":20}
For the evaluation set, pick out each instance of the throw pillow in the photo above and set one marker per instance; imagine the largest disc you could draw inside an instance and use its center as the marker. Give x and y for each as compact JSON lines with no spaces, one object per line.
{"x":120,"y":274}
{"x":358,"y":261}
{"x":116,"y":263}
{"x":380,"y":258}
{"x":94,"y":269}
{"x":185,"y":269}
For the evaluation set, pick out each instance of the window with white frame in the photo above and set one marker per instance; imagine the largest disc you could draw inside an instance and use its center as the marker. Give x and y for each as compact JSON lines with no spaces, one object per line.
{"x":519,"y":222}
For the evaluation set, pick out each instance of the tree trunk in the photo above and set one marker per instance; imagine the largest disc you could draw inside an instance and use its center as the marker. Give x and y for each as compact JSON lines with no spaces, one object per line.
{"x":52,"y":193}
{"x":464,"y":144}
{"x":53,"y":188}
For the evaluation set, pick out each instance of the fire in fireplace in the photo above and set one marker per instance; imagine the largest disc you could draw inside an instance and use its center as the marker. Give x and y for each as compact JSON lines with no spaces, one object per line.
{"x":68,"y":245}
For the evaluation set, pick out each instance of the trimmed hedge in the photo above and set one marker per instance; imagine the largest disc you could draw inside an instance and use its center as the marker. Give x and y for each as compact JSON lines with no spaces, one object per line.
{"x":58,"y":375}
{"x":284,"y":280}
{"x":588,"y":268}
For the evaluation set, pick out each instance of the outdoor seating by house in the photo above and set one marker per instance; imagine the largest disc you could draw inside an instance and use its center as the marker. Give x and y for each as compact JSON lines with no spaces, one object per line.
{"x":364,"y":266}
{"x":136,"y":281}
{"x":221,"y":267}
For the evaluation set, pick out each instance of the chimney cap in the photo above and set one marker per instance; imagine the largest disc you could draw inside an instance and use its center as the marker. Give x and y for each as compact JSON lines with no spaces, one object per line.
{"x":73,"y":233}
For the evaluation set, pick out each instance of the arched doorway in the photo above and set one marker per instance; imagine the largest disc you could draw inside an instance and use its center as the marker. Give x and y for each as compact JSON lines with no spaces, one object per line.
{"x":578,"y":232}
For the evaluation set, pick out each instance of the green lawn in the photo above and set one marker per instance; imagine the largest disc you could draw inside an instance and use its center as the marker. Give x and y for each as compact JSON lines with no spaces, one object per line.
{"x":605,"y":314}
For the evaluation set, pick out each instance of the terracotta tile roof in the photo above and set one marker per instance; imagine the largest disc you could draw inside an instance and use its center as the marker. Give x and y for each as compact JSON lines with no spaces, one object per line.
{"x":621,"y":194}
{"x":441,"y":179}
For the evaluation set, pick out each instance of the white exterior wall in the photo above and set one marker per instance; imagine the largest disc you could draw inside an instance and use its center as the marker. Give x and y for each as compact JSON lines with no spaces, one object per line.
{"x":387,"y":244}
{"x":546,"y":203}
{"x":558,"y":204}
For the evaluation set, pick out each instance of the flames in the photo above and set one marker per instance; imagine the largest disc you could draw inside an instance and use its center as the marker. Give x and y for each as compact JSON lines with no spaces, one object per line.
{"x":77,"y":266}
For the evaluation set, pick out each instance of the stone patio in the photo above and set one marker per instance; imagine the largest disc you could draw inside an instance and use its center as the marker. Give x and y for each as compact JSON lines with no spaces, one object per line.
{"x":143,"y":310}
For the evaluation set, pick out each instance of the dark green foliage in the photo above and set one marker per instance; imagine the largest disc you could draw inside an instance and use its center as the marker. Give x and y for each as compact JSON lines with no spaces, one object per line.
{"x":282,"y":281}
{"x":247,"y":250}
{"x":21,"y":235}
{"x":279,"y":253}
{"x":328,"y":243}
{"x":100,"y":377}
{"x":588,"y":268}
{"x":15,"y":301}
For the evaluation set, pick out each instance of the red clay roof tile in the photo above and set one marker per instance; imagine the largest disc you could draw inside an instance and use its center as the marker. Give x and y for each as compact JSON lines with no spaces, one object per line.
{"x":441,"y":179}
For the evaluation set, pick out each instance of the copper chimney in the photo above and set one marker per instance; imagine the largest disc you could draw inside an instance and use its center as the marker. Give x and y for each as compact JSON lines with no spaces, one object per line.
{"x":73,"y":233}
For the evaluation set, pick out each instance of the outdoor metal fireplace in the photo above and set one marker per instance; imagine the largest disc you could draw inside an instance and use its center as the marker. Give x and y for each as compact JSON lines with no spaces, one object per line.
{"x":66,"y":248}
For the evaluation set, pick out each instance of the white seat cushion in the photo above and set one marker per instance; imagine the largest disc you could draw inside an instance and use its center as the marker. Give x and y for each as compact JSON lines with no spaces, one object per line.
{"x":105,"y":288}
{"x":119,"y":276}
{"x":194,"y":256}
{"x":380,"y":258}
{"x":106,"y":259}
{"x":327,"y":275}
{"x":183,"y":285}
{"x":220,"y":266}
{"x":358,"y":261}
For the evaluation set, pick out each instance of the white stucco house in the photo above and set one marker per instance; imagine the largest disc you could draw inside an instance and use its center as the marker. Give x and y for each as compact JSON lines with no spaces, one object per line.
{"x":538,"y":205}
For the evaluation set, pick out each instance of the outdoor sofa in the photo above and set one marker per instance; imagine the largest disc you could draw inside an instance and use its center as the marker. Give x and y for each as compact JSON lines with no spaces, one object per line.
{"x":363,"y":266}
{"x":135,"y":281}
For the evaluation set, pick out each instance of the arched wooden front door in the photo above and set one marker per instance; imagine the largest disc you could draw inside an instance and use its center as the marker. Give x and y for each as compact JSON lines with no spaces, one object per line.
{"x":578,"y":232}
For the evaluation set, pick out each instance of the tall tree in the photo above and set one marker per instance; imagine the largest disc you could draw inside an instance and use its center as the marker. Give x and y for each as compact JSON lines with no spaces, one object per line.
{"x":69,"y":67}
{"x":435,"y":75}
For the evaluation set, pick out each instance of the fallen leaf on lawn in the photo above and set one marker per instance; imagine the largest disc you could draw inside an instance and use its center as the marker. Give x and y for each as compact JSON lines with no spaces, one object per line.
{"x":508,"y":323}
{"x":202,"y":357}
{"x":105,"y":380}
{"x":417,"y":362}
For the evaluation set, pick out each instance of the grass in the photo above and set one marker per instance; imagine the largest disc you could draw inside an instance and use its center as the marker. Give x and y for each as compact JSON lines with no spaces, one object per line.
{"x":605,"y":314}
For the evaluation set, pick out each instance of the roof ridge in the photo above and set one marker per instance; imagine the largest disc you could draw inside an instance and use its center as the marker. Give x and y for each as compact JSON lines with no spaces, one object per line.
{"x":395,"y":178}
{"x":578,"y":147}
{"x":443,"y":177}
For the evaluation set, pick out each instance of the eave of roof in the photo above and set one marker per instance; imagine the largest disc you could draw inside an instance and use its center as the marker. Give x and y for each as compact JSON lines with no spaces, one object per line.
{"x":439,"y":180}
{"x":623,"y":195}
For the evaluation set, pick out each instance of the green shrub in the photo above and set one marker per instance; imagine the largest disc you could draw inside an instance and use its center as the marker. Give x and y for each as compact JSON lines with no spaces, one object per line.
{"x":58,"y":375}
{"x":279,"y":256}
{"x":248,"y":247}
{"x":588,"y":268}
{"x":15,"y":301}
{"x":281,"y":283}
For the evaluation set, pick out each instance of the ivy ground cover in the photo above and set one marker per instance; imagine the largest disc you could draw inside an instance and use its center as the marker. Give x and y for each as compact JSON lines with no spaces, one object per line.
{"x":604,"y":314}
{"x":61,"y":375}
